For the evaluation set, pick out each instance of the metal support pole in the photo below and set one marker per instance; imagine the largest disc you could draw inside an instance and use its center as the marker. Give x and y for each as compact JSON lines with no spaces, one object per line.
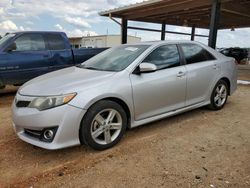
{"x":214,"y":23}
{"x":124,"y":31}
{"x":163,"y":31}
{"x":193,"y":32}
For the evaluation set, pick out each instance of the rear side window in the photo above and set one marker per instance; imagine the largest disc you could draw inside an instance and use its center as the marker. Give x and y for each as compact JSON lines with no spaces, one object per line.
{"x":56,"y":42}
{"x":194,"y":53}
{"x":30,"y":42}
{"x":164,"y":57}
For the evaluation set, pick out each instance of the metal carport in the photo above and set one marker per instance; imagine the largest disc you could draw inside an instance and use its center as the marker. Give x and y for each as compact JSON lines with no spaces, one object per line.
{"x":208,"y":14}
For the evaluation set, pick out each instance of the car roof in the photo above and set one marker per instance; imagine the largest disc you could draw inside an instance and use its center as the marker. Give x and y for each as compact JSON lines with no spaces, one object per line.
{"x":54,"y":32}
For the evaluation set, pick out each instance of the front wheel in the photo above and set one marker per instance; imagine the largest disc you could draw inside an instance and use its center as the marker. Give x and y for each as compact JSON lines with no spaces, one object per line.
{"x":219,"y":95}
{"x":103,"y":125}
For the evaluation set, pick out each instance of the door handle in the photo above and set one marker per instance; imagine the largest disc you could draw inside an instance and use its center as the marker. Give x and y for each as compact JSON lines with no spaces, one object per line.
{"x":181,"y":74}
{"x":215,"y":66}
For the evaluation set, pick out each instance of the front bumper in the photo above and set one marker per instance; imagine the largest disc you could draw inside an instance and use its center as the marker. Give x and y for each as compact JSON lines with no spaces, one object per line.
{"x":67,"y":118}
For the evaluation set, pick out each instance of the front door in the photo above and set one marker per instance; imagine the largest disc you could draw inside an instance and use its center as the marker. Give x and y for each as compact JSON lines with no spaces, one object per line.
{"x":163,"y":90}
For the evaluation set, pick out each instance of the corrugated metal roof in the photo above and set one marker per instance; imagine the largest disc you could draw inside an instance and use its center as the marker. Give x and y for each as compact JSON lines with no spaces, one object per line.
{"x":234,"y":13}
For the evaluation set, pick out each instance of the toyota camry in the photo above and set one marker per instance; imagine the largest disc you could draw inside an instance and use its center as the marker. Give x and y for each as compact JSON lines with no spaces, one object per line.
{"x":123,"y":87}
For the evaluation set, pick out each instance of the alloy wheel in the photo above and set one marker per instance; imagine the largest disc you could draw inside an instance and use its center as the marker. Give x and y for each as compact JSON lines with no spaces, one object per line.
{"x":220,"y":96}
{"x":106,"y":126}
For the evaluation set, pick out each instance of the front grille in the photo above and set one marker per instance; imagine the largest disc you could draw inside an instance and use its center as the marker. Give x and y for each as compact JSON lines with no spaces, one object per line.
{"x":33,"y":133}
{"x":22,"y":104}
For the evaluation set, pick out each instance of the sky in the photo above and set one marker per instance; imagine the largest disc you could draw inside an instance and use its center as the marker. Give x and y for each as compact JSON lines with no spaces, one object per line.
{"x":80,"y":18}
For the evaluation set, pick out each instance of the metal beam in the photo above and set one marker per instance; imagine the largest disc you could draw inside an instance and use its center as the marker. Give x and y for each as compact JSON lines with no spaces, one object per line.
{"x":163,"y":31}
{"x":124,"y":31}
{"x":236,"y":13}
{"x":193,"y":32}
{"x":157,"y":30}
{"x":214,"y":23}
{"x":110,"y":16}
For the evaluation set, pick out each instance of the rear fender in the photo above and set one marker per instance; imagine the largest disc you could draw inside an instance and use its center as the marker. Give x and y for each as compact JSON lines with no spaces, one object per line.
{"x":1,"y":83}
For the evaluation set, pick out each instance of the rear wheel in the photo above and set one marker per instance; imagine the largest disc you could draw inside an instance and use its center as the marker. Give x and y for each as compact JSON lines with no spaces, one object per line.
{"x":219,"y":95}
{"x":103,"y":125}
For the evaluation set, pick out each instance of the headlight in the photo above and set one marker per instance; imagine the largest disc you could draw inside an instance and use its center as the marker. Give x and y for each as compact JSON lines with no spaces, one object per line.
{"x":44,"y":103}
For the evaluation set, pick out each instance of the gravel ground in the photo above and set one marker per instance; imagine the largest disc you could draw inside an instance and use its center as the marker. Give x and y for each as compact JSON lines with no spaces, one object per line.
{"x":200,"y":148}
{"x":244,"y":72}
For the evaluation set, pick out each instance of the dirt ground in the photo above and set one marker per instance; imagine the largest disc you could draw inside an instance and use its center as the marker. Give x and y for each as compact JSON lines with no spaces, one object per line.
{"x":200,"y":148}
{"x":244,"y":72}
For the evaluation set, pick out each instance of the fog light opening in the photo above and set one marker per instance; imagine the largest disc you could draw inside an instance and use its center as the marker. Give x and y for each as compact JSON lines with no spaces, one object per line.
{"x":48,"y":134}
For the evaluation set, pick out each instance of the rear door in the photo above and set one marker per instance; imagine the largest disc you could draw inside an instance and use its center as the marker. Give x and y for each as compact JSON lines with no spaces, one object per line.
{"x":61,"y":53}
{"x":28,"y":58}
{"x":163,"y":90}
{"x":202,"y":71}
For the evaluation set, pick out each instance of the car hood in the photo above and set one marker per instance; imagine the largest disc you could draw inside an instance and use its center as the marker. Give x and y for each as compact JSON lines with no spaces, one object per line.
{"x":65,"y":81}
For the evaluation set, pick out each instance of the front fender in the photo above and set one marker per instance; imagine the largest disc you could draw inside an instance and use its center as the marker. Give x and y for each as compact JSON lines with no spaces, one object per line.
{"x":118,"y":88}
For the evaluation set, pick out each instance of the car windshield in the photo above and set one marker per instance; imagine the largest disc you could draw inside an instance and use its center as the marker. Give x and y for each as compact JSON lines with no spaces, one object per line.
{"x":114,"y":59}
{"x":5,"y":38}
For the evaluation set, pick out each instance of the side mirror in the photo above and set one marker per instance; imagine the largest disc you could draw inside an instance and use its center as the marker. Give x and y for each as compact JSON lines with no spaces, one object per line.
{"x":11,"y":48}
{"x":147,"y":67}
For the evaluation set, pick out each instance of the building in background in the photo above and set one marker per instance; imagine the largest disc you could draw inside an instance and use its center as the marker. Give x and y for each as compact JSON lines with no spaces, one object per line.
{"x":100,"y":41}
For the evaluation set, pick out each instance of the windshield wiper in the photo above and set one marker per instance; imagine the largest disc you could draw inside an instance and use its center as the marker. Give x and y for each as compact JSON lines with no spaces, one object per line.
{"x":91,"y":68}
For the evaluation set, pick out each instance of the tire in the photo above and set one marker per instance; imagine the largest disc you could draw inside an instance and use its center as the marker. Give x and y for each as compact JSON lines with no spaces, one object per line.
{"x":219,"y":95}
{"x":103,"y":125}
{"x":2,"y":86}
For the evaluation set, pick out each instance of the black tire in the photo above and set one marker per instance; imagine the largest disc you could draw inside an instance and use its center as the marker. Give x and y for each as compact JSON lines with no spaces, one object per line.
{"x":85,"y":135}
{"x":213,"y":105}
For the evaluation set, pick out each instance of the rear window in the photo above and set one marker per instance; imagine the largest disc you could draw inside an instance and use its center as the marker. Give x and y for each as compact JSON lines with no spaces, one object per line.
{"x":194,"y":53}
{"x":56,"y":42}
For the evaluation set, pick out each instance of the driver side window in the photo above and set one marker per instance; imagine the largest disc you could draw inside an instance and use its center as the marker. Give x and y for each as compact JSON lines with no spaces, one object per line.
{"x":164,"y":57}
{"x":30,"y":42}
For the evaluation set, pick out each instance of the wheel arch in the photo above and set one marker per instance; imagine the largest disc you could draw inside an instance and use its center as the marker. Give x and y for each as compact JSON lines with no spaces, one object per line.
{"x":124,"y":105}
{"x":228,"y":83}
{"x":1,"y":82}
{"x":117,"y":100}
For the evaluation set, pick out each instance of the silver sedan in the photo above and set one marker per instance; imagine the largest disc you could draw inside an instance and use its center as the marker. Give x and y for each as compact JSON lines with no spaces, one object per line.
{"x":123,"y":87}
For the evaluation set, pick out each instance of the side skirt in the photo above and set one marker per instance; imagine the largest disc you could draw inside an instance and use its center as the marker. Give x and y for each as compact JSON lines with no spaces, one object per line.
{"x":168,"y":114}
